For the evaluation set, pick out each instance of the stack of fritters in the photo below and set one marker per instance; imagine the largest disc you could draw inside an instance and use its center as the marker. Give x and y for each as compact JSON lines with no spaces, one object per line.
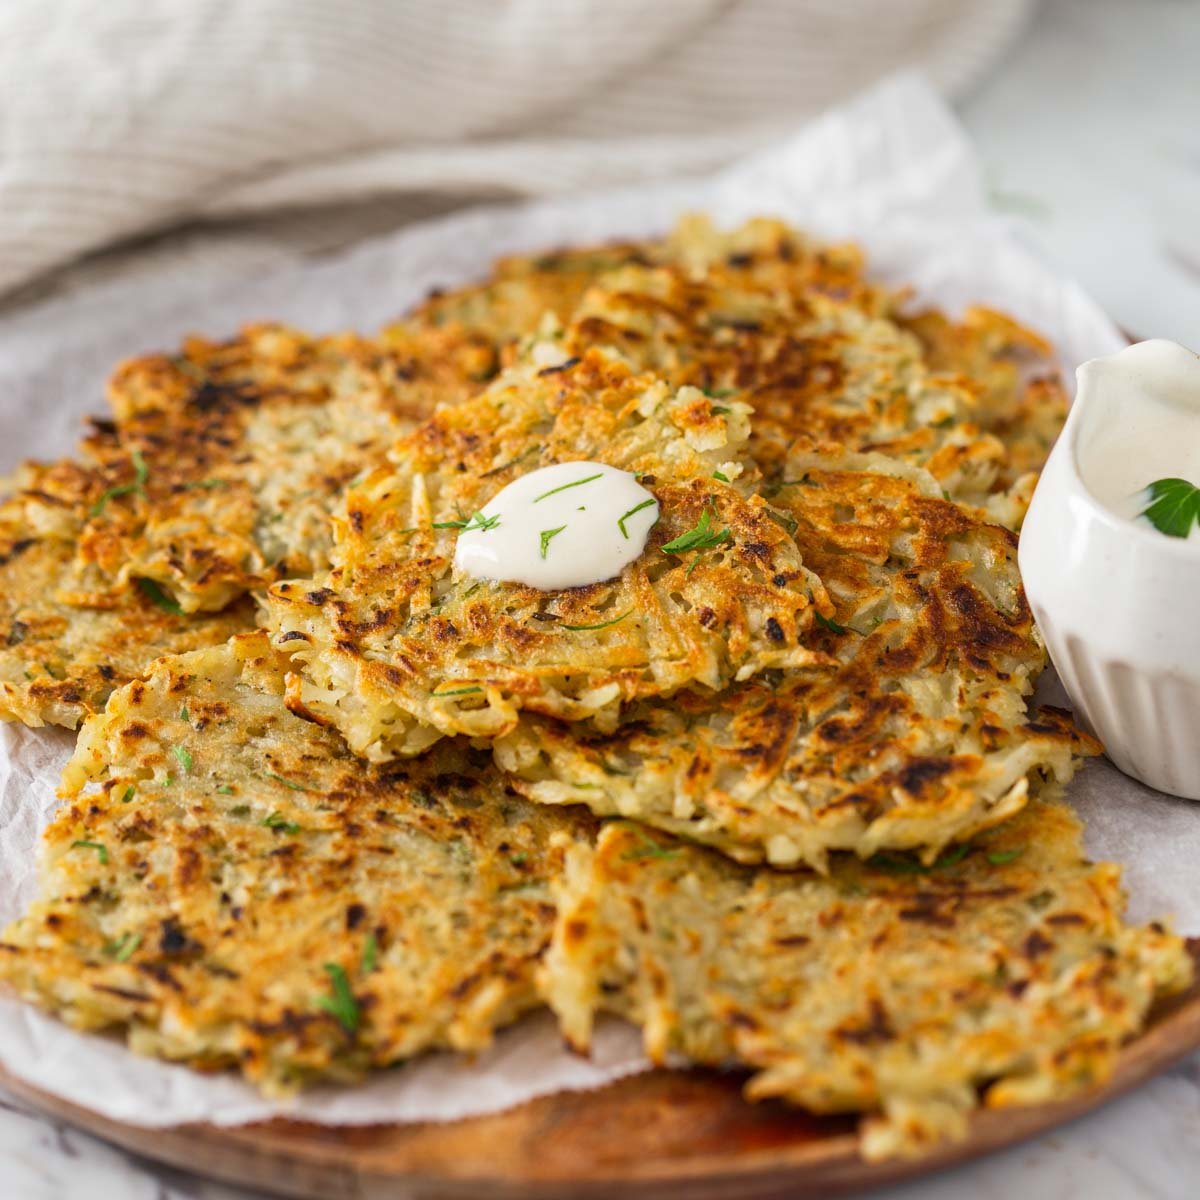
{"x":383,"y":822}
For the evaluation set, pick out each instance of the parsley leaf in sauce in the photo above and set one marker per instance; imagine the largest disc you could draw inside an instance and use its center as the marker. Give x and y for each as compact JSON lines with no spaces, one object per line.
{"x":1174,"y":506}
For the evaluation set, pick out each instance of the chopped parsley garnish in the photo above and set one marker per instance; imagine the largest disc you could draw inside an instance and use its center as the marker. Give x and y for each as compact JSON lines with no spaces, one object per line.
{"x":296,"y":787}
{"x":100,"y":849}
{"x":464,"y":691}
{"x":155,"y":593}
{"x":129,"y":795}
{"x":519,"y":860}
{"x":476,"y":522}
{"x":185,"y":758}
{"x":370,"y":955}
{"x":600,"y":625}
{"x":205,"y":484}
{"x":225,"y":790}
{"x":897,"y":864}
{"x":637,"y":508}
{"x":700,"y":537}
{"x":999,"y":857}
{"x":277,"y":820}
{"x":547,"y":535}
{"x":183,"y":714}
{"x":122,"y":948}
{"x":718,"y":410}
{"x":340,"y":1004}
{"x":954,"y":855}
{"x":563,"y":488}
{"x":719,"y":393}
{"x":1174,"y":506}
{"x":902,"y":864}
{"x":721,"y":476}
{"x":827,"y":623}
{"x":648,"y":849}
{"x":140,"y":474}
{"x":1040,"y":900}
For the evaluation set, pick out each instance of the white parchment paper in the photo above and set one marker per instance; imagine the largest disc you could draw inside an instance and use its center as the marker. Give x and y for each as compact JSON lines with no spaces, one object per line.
{"x":891,"y":170}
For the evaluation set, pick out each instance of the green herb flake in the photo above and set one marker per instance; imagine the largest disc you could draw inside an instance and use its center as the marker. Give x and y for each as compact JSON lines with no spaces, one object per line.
{"x":100,"y":849}
{"x":140,"y":474}
{"x":277,"y":820}
{"x":464,"y":691}
{"x":205,"y":484}
{"x":370,"y":955}
{"x":291,"y":783}
{"x":519,"y":860}
{"x":721,"y":476}
{"x":600,"y":625}
{"x":637,"y":508}
{"x":158,"y":596}
{"x":340,"y":1004}
{"x":719,"y":393}
{"x":563,"y":488}
{"x":896,"y":864}
{"x":700,"y":537}
{"x":184,"y":757}
{"x":648,"y":849}
{"x":1040,"y":900}
{"x":184,"y":715}
{"x":121,"y":949}
{"x":952,"y":856}
{"x":547,"y":536}
{"x":827,"y":623}
{"x":476,"y":523}
{"x":225,"y":790}
{"x":999,"y":857}
{"x":129,"y":795}
{"x":1174,"y":506}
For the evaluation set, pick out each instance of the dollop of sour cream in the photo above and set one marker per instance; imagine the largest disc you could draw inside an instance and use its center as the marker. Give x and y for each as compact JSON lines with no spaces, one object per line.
{"x":558,"y":527}
{"x":1140,"y":423}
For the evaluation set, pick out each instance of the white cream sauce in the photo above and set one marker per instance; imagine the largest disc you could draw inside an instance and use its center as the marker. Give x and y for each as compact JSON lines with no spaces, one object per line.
{"x":1139,"y":422}
{"x":559,"y":527}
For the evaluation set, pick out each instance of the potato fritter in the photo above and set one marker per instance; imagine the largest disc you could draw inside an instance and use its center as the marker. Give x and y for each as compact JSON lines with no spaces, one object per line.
{"x":792,"y":327}
{"x":243,"y":892}
{"x":230,"y":455}
{"x":1010,"y":369}
{"x":910,"y":730}
{"x":883,"y":988}
{"x":396,"y":649}
{"x":63,"y":650}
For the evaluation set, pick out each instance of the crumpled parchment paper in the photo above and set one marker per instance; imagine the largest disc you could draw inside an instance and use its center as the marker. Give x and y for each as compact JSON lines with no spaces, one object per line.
{"x":892,"y":170}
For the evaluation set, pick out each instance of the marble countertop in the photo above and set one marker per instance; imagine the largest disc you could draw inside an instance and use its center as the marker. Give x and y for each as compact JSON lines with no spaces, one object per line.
{"x":1090,"y":136}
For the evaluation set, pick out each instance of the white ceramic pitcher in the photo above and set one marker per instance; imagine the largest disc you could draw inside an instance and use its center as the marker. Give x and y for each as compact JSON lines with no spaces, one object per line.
{"x":1117,"y":601}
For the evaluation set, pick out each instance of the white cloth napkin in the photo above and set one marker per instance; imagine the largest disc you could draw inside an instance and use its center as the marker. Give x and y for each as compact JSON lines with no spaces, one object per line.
{"x":128,"y":116}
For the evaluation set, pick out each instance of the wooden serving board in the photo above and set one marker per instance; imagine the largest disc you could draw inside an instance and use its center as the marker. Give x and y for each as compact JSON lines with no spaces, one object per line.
{"x":663,"y":1134}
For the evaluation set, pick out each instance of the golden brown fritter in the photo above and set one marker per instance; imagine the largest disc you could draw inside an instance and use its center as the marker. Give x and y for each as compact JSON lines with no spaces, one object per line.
{"x":765,"y":254}
{"x":242,"y":892}
{"x":910,"y":729}
{"x":1010,"y":369}
{"x":792,"y":327}
{"x":230,"y":455}
{"x":396,"y":649}
{"x":883,"y":988}
{"x":810,"y":366}
{"x":63,"y":650}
